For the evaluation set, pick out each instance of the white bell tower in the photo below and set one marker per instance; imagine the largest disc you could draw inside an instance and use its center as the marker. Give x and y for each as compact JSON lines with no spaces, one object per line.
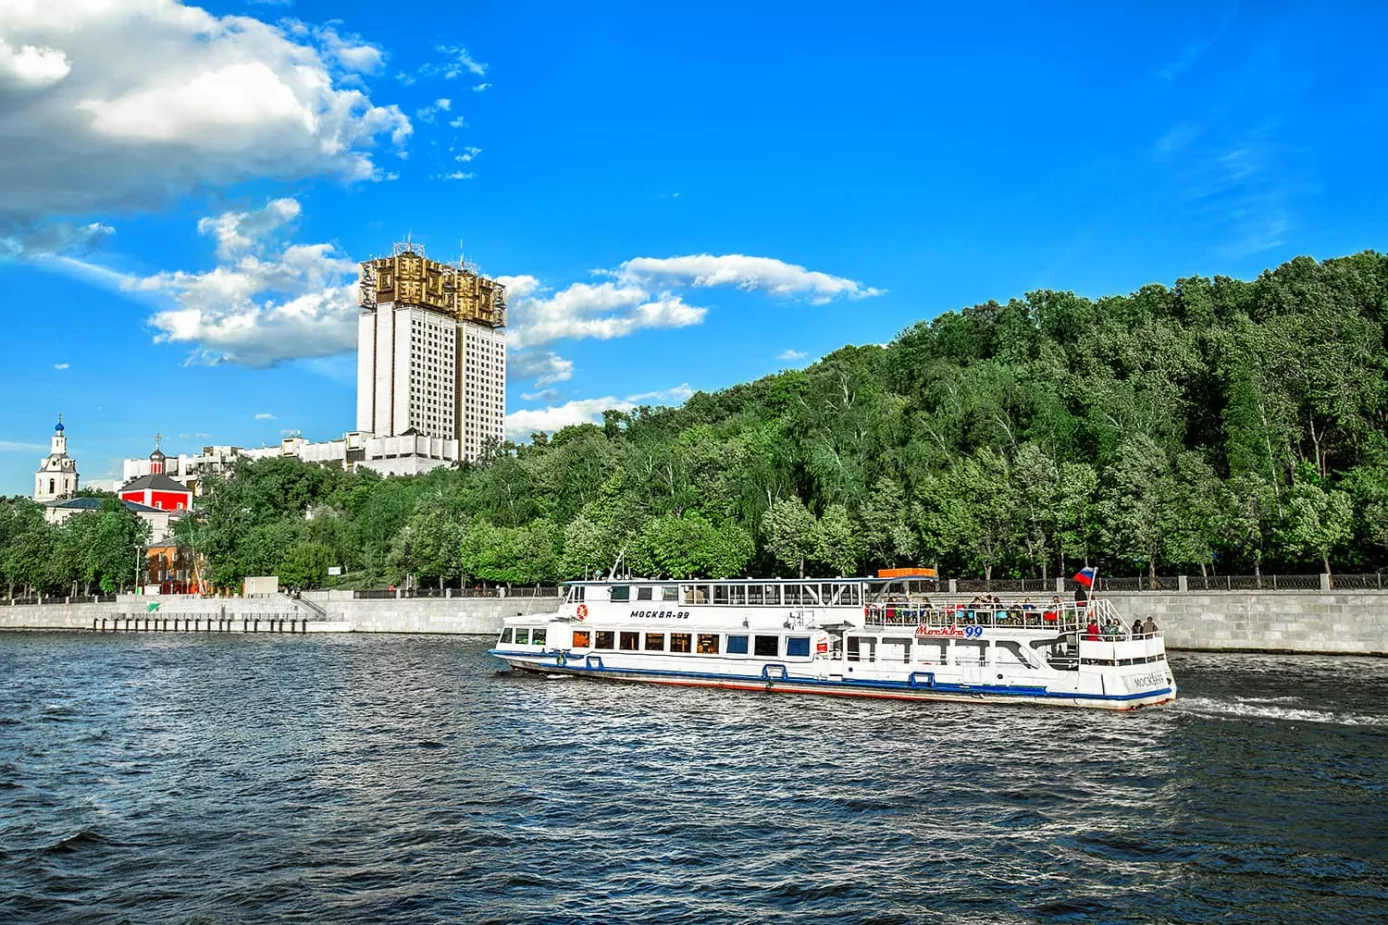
{"x":57,"y":477}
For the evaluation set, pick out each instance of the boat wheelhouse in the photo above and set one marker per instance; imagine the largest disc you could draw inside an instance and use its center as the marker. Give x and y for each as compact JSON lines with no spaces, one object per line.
{"x":893,"y":638}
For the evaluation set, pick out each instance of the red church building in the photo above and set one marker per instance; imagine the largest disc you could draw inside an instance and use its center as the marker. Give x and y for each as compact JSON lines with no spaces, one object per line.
{"x":157,"y":490}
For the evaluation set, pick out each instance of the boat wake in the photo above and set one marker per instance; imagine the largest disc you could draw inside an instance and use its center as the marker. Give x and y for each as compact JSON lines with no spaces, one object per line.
{"x":1273,"y":708}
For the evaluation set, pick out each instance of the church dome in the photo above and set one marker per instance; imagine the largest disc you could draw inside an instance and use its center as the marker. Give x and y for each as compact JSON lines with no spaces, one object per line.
{"x":60,"y":428}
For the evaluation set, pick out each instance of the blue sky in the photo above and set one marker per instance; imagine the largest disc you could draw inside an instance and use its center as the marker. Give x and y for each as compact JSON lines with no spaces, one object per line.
{"x":680,"y":198}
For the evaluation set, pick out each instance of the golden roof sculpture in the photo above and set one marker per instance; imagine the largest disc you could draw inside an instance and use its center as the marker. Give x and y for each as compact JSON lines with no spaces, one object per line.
{"x":407,"y":277}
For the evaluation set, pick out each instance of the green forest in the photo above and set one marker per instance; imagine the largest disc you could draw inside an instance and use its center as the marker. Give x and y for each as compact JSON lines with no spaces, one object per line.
{"x":1211,"y":426}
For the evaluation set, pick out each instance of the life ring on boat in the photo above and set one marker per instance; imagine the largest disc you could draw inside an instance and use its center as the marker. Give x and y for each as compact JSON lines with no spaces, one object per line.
{"x":583,"y":611}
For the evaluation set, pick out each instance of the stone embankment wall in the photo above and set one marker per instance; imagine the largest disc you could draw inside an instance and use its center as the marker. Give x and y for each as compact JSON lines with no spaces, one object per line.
{"x":1351,"y":622}
{"x":1271,"y":621}
{"x":340,"y":614}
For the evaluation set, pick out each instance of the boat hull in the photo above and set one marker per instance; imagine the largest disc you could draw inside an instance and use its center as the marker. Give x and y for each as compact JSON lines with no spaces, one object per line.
{"x":837,"y":687}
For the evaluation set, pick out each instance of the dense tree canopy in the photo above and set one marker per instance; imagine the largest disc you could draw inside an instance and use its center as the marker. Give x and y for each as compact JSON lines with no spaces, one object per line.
{"x":90,"y":552}
{"x":1215,"y":424}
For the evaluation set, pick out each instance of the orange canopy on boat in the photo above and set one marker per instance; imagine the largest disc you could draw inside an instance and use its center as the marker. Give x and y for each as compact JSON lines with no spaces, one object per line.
{"x":906,"y":573}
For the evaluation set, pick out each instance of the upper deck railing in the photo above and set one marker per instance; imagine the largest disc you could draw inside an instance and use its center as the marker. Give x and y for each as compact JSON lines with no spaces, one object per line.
{"x":1097,"y":618}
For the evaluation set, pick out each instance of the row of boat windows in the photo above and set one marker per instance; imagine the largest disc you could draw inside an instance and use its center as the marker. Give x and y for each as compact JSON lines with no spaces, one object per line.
{"x":1140,"y":660}
{"x":762,"y":646}
{"x":809,"y":594}
{"x":932,"y":651}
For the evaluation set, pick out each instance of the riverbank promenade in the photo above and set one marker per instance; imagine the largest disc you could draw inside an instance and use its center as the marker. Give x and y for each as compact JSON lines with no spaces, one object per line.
{"x":1323,"y":619}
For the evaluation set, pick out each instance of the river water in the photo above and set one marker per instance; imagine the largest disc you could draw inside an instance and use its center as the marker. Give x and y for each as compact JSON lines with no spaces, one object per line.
{"x":161,"y":778}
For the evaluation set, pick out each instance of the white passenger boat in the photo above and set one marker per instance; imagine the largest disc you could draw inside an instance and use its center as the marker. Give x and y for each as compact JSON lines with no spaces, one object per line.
{"x":850,"y":637}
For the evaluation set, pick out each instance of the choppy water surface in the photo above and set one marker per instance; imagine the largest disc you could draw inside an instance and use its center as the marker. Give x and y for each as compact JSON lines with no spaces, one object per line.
{"x":164,"y":778}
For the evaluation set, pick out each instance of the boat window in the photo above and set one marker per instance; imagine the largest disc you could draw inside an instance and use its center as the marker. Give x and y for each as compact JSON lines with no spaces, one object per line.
{"x":575,"y":594}
{"x":606,"y":639}
{"x":771,"y":594}
{"x":708,"y":644}
{"x":506,"y":634}
{"x":679,"y":642}
{"x":932,"y":651}
{"x":970,"y":652}
{"x":737,"y":645}
{"x":720,"y":594}
{"x":630,"y":641}
{"x":695,"y":594}
{"x":797,"y":646}
{"x":537,"y":637}
{"x":767,"y":646}
{"x":754,"y":594}
{"x":862,"y":648}
{"x":1007,"y":652}
{"x":670,"y":593}
{"x":522,"y":637}
{"x":791,"y":594}
{"x":655,"y":642}
{"x":644,"y":594}
{"x":621,"y":593}
{"x":896,"y":649}
{"x":581,"y":639}
{"x":738,"y":594}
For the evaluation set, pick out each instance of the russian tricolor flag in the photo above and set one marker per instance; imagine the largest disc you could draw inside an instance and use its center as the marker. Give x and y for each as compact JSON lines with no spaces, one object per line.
{"x":1085,"y":576}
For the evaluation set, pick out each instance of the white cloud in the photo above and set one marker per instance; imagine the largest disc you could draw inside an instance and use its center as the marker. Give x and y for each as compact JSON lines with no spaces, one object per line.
{"x":459,"y":122}
{"x":791,"y":355}
{"x":443,"y":103}
{"x":9,"y":446}
{"x":112,"y":106}
{"x":32,"y":66}
{"x":266,"y":301}
{"x":764,"y":273}
{"x":238,"y":232}
{"x":478,"y":88}
{"x":461,"y":63}
{"x":544,"y":366}
{"x":49,"y":239}
{"x":455,"y":175}
{"x":62,"y":365}
{"x":640,"y":295}
{"x":523,"y":423}
{"x":349,"y":52}
{"x":469,"y":153}
{"x":264,"y":416}
{"x":584,"y":310}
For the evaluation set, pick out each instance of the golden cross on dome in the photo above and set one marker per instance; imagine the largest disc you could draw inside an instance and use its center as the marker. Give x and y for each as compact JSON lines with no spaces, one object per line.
{"x":158,"y":438}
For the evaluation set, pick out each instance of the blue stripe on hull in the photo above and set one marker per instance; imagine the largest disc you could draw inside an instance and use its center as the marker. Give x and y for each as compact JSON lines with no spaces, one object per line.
{"x":579,"y":668}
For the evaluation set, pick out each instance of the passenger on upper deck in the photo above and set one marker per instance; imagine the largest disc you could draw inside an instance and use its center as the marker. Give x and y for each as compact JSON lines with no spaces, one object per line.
{"x":1091,"y":632}
{"x":1150,"y":627}
{"x":1137,"y":627}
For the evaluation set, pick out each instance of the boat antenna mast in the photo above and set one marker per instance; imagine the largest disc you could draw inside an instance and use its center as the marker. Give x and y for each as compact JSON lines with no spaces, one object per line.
{"x":620,"y":556}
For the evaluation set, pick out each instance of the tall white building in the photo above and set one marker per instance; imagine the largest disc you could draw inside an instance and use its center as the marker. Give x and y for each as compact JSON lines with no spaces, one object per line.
{"x":431,"y":351}
{"x":57,"y":477}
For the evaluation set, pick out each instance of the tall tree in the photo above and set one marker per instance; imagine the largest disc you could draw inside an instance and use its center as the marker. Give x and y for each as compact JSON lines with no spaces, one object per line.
{"x":789,"y":529}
